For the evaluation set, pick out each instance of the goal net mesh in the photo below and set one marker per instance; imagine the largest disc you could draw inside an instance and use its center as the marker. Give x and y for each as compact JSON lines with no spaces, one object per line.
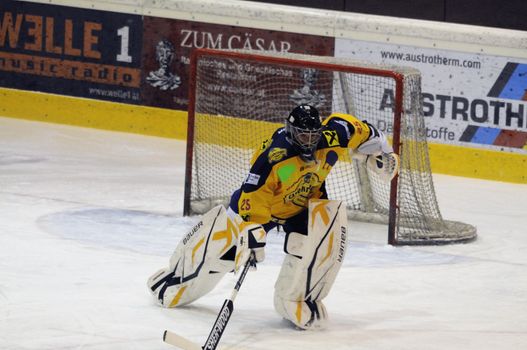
{"x":240,"y":99}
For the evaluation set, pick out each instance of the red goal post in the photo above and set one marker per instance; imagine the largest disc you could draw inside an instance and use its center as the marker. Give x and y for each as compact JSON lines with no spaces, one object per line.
{"x":238,"y":98}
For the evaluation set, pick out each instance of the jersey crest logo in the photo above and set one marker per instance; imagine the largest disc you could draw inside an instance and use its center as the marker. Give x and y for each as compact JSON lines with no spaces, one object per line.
{"x":252,"y":179}
{"x":265,"y":144}
{"x":302,"y":190}
{"x":331,"y":137}
{"x":276,"y":154}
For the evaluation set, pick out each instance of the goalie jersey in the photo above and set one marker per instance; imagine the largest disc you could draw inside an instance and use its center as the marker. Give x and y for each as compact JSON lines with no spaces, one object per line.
{"x":280,"y":184}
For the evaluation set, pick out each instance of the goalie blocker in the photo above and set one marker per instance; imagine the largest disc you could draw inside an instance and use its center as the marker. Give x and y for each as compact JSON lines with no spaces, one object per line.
{"x":222,"y":242}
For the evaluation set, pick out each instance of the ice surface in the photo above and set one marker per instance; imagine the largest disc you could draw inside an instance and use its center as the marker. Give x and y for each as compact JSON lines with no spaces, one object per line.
{"x":87,"y":216}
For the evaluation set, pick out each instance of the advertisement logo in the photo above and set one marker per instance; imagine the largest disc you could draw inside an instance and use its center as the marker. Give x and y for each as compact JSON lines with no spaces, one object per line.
{"x":331,"y":138}
{"x":306,"y":94}
{"x":511,"y":83}
{"x":162,"y":78}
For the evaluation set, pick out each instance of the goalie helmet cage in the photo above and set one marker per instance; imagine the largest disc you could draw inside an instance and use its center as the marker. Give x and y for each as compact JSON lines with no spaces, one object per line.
{"x":237,"y":99}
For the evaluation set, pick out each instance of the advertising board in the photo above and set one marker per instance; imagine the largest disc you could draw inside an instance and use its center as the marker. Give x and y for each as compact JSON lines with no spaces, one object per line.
{"x":70,"y":51}
{"x":469,"y":99}
{"x":168,"y":44}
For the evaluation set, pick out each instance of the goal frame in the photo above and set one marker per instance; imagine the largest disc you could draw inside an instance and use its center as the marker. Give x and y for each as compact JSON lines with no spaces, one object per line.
{"x":398,"y":109}
{"x":222,"y":103}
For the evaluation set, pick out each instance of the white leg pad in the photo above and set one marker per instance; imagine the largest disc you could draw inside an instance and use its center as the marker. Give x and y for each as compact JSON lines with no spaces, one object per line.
{"x":200,"y":260}
{"x":309,"y":270}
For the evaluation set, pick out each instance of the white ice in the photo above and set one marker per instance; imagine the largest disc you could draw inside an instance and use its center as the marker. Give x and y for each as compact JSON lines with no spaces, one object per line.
{"x":87,"y":216}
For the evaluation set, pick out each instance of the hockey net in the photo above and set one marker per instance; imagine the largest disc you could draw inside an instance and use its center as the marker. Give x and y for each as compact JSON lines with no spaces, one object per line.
{"x":238,"y":99}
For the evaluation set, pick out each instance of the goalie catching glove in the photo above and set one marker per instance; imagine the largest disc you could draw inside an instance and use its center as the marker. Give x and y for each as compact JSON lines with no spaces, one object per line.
{"x":380,"y":157}
{"x":386,"y":165}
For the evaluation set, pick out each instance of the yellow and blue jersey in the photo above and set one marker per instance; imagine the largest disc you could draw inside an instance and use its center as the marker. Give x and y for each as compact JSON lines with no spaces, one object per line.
{"x":280,"y":184}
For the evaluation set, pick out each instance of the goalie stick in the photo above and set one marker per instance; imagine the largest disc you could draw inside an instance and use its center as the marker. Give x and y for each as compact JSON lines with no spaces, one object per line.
{"x":221,"y":321}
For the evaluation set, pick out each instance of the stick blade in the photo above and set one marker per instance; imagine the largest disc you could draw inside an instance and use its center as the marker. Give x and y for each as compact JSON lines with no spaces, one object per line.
{"x":179,"y":341}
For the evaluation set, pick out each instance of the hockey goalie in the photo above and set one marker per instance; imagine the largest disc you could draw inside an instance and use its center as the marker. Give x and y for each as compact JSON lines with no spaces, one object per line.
{"x":285,"y":187}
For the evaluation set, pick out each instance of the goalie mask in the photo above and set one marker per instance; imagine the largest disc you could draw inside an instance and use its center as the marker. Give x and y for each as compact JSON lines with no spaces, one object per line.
{"x":304,"y":128}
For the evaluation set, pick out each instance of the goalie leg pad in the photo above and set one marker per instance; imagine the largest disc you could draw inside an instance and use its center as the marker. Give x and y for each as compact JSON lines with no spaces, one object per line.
{"x":305,"y":314}
{"x":200,"y":260}
{"x":311,"y":266}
